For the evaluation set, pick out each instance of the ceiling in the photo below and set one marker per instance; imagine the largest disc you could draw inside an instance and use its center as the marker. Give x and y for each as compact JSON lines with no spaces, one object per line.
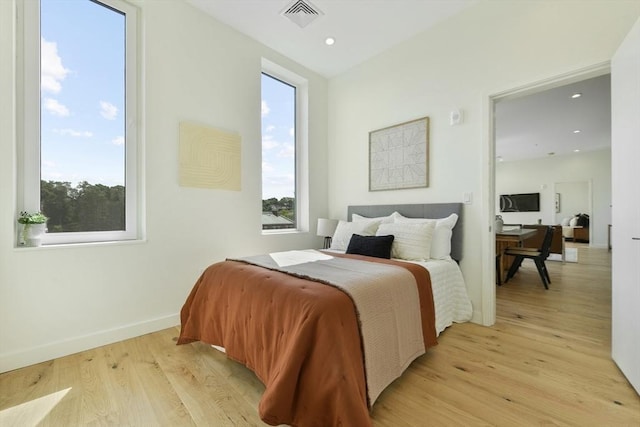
{"x":526,"y":127}
{"x":361,"y":28}
{"x":543,"y":124}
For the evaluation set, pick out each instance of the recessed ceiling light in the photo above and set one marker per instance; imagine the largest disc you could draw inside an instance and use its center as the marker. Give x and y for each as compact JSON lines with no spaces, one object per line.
{"x":576,"y":131}
{"x":329,"y":41}
{"x":576,"y":95}
{"x":577,"y":150}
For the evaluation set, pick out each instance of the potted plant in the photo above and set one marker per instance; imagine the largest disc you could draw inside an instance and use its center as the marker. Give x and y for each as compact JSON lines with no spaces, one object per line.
{"x":34,"y":226}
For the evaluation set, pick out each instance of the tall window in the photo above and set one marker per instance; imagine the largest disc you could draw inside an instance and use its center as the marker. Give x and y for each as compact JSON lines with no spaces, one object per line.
{"x":79,"y":118}
{"x":279,"y":209}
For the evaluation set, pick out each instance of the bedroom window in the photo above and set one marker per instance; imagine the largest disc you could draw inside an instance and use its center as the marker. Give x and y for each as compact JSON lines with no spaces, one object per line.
{"x":77,"y":125}
{"x":283,"y":163}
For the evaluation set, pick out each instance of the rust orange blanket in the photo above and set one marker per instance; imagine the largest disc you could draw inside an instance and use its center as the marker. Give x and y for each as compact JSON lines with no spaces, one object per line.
{"x":300,"y":337}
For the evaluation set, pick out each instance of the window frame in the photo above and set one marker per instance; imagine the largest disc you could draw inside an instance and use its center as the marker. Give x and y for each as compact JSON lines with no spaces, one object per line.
{"x":28,"y":102}
{"x":301,"y":142}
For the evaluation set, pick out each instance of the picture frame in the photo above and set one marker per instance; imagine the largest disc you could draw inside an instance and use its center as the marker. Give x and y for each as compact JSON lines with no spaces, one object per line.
{"x":399,"y":156}
{"x":557,"y":202}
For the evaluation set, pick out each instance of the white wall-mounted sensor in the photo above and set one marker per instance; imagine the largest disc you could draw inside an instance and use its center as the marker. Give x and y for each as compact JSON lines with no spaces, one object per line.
{"x":455,"y":117}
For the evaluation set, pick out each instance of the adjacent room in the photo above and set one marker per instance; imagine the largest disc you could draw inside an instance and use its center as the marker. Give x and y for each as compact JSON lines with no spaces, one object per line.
{"x":573,"y":148}
{"x":175,"y":174}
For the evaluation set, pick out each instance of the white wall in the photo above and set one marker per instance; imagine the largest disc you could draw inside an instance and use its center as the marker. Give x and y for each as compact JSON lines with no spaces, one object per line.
{"x":483,"y":51}
{"x":574,"y":198}
{"x":55,"y":301}
{"x":529,"y":176}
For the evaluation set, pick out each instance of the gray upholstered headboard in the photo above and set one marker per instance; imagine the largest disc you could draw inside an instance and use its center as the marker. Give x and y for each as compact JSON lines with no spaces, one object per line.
{"x":429,"y":210}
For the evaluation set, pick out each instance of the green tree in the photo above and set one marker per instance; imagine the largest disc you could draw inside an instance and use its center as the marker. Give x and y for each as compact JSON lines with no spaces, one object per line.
{"x":56,"y":203}
{"x":268,"y":204}
{"x":86,"y":207}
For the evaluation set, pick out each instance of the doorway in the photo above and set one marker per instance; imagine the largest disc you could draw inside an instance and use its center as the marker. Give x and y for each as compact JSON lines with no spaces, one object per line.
{"x":546,"y":187}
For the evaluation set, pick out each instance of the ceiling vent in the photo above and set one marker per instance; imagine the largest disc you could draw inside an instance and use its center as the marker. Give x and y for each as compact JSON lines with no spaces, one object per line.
{"x":301,"y":12}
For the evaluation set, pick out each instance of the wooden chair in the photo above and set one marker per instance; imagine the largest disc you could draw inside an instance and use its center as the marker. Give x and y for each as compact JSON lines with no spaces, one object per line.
{"x":538,"y":258}
{"x":557,"y":242}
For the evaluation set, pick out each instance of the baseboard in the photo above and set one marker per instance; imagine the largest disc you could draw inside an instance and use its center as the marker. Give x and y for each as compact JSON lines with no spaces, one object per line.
{"x":598,"y":246}
{"x":42,"y":353}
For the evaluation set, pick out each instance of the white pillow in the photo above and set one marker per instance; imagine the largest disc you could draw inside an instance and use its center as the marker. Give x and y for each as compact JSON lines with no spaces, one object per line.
{"x":412,"y":240}
{"x":573,"y":221}
{"x":565,"y":222}
{"x":382,"y":219}
{"x":345,"y":230}
{"x":441,"y":242}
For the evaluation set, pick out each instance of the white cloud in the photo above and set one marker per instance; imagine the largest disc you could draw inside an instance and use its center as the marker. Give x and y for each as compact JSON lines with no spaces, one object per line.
{"x":278,"y":186}
{"x":52,"y":176}
{"x":292,"y":131}
{"x":108,"y":110}
{"x":55,"y":108}
{"x":270,"y":128}
{"x":52,"y":70}
{"x":72,"y":132}
{"x":269,"y":144}
{"x":285,"y":180}
{"x":265,"y":108}
{"x":287,"y":151}
{"x":267,"y":167}
{"x":49,"y":170}
{"x":118,"y":141}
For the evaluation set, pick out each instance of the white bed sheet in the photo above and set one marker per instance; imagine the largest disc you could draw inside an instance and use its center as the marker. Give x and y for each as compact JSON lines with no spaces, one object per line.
{"x":450,"y":299}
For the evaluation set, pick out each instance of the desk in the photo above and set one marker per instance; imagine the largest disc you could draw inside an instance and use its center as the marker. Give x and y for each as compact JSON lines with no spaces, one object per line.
{"x":507,"y":238}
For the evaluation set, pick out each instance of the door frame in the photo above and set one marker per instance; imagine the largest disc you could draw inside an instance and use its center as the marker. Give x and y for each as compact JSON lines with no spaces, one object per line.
{"x":489,"y":170}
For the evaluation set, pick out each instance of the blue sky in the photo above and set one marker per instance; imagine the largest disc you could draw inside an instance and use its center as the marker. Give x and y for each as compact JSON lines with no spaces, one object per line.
{"x":278,"y":147}
{"x":82,"y":115}
{"x":82,"y":108}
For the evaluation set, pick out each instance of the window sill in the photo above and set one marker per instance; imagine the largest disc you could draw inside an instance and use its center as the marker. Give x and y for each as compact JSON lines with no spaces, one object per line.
{"x":79,"y":245}
{"x":282,"y":231}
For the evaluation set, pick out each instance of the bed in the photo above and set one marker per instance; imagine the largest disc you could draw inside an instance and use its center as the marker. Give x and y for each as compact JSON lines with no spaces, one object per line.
{"x":326,"y":332}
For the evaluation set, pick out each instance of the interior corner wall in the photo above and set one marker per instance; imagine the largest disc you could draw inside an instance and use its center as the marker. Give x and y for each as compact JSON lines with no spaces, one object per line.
{"x":573,"y":198}
{"x":593,"y":167}
{"x":60,"y":300}
{"x":487,"y":49}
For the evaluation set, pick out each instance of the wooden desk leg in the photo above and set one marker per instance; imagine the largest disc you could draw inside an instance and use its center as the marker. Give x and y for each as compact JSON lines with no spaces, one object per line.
{"x":505,"y":260}
{"x":501,"y":246}
{"x":506,"y":263}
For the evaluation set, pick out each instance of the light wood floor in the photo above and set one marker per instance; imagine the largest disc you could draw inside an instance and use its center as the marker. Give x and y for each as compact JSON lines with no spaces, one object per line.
{"x":545,"y":362}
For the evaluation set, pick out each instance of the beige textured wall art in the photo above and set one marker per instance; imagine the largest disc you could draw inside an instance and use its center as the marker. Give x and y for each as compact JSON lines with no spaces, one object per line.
{"x":209,"y":157}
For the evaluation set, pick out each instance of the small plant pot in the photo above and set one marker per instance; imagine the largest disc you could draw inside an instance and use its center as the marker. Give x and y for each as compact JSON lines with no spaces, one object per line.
{"x":33,"y":234}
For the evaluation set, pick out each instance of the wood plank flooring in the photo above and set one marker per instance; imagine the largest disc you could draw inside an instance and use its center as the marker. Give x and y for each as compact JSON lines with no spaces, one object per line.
{"x":546,"y":361}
